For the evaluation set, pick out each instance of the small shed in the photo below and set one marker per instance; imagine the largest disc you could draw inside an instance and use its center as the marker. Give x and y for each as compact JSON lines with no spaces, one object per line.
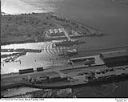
{"x":40,"y":69}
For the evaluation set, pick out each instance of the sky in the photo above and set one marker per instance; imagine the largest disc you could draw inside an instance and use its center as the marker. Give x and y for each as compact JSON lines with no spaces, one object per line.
{"x":27,"y":6}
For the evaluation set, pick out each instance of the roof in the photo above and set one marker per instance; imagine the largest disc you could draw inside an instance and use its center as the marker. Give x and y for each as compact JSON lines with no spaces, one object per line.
{"x":51,"y":30}
{"x":56,"y":75}
{"x":112,"y":54}
{"x":79,"y":58}
{"x":60,"y":30}
{"x":55,"y":30}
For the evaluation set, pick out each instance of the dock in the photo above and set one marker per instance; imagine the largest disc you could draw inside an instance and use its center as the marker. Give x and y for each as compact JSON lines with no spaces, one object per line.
{"x":90,"y":69}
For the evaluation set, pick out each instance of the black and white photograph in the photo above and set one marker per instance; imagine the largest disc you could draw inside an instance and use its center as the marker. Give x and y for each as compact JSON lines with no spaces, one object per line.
{"x":70,"y":49}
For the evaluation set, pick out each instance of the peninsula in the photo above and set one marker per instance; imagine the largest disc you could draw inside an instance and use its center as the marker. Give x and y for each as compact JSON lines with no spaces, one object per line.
{"x":32,"y":27}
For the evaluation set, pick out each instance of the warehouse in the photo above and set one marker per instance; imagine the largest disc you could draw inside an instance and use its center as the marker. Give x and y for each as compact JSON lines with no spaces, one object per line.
{"x":115,"y":58}
{"x":24,"y":71}
{"x":56,"y":78}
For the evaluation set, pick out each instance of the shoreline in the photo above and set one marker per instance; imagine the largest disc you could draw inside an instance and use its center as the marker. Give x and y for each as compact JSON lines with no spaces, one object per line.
{"x":90,"y":53}
{"x":30,"y":28}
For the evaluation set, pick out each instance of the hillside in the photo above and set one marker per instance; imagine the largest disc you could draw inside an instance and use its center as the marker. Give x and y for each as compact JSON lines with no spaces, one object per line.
{"x":31,"y":27}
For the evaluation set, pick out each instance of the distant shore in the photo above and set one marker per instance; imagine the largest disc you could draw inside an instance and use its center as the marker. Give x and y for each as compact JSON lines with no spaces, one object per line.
{"x":27,"y":28}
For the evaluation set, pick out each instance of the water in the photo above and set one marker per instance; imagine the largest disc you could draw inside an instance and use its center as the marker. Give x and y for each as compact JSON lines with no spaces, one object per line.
{"x":119,"y":89}
{"x":24,"y":6}
{"x":18,"y":91}
{"x":109,"y":16}
{"x":48,"y":56}
{"x":38,"y":93}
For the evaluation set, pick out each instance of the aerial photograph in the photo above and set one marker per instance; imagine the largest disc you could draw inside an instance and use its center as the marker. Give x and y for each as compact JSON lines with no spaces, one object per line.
{"x":64,"y":48}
